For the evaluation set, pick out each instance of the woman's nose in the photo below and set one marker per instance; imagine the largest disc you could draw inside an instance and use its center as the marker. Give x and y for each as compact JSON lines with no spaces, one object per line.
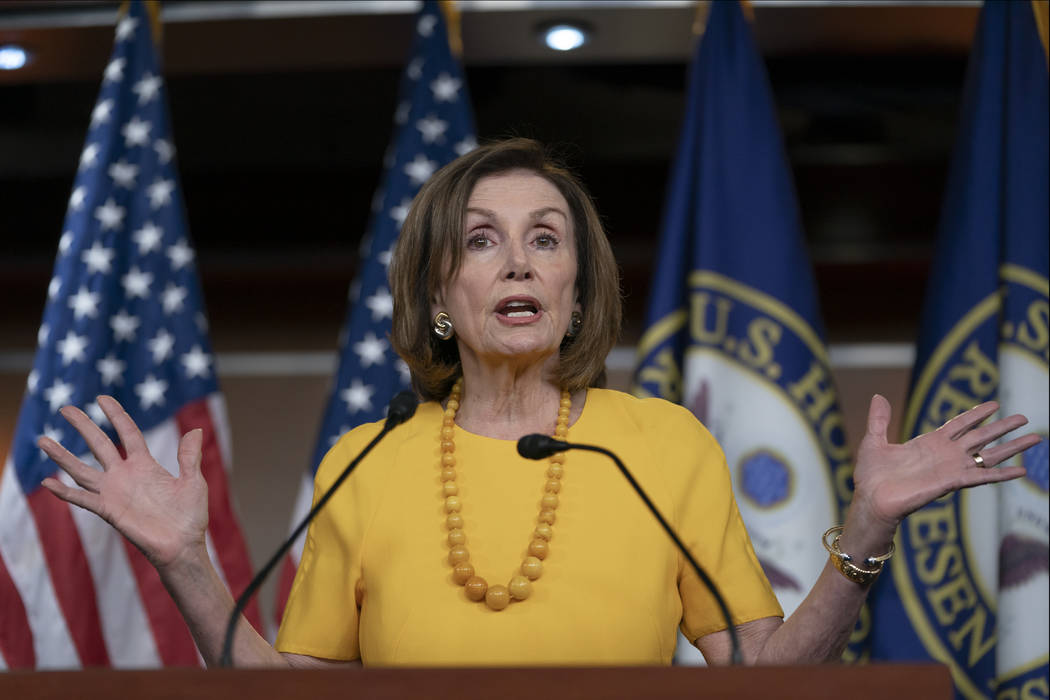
{"x":517,"y":265}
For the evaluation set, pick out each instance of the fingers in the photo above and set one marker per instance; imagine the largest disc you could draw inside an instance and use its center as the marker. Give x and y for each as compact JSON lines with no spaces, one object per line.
{"x":976,"y":477}
{"x":977,"y":438}
{"x":879,"y":413}
{"x":190,"y":453}
{"x":1001,"y":453}
{"x":128,"y":432}
{"x":81,"y":473}
{"x":78,"y":497}
{"x":967,"y":420}
{"x":97,"y":441}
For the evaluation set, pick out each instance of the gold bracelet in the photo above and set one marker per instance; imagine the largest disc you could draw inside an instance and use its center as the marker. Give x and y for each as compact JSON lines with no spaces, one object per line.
{"x":844,"y":562}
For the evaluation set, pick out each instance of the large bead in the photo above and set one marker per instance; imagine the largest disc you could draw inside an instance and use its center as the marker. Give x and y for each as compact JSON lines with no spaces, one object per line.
{"x":565,"y":402}
{"x":448,"y":474}
{"x":447,"y":432}
{"x":555,"y":471}
{"x":448,"y":459}
{"x":458,"y":554}
{"x":547,"y":516}
{"x":453,"y":504}
{"x":475,"y":588}
{"x":539,"y":548}
{"x":544,"y":531}
{"x":454,"y":521}
{"x":462,"y":572}
{"x":456,"y":537}
{"x":449,"y":488}
{"x":453,"y":403}
{"x":532,"y":567}
{"x":497,"y":597}
{"x":552,"y":486}
{"x":519,"y":587}
{"x":549,"y":501}
{"x":448,"y":446}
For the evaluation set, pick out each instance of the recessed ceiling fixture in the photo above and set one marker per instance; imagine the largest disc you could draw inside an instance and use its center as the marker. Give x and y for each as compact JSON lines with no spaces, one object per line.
{"x":565,"y":36}
{"x":12,"y":56}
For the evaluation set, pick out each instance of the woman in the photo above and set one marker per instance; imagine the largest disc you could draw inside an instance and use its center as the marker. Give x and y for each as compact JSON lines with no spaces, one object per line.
{"x":446,"y":548}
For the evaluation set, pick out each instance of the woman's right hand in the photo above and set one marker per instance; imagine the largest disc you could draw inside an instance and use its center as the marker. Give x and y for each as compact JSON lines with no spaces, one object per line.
{"x":164,"y":516}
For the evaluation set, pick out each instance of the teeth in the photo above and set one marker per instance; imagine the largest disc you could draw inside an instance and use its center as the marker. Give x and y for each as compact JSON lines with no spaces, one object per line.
{"x":519,"y":314}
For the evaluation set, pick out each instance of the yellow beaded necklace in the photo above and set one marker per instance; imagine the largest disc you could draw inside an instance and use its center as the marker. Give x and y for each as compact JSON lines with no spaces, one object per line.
{"x":497,"y":597}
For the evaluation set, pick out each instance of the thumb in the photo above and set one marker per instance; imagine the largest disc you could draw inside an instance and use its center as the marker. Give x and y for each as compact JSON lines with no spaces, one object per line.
{"x":190,"y":453}
{"x":878,"y":419}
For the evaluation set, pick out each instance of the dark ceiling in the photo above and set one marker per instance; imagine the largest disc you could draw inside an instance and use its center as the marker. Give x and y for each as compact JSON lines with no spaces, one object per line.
{"x":281,"y":125}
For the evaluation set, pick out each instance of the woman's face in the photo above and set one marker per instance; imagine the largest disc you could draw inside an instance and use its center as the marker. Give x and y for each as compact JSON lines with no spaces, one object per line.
{"x":516,"y":287}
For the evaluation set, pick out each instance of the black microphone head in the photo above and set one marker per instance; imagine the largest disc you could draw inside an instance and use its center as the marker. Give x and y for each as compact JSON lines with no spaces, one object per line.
{"x":401,"y":408}
{"x":538,"y":446}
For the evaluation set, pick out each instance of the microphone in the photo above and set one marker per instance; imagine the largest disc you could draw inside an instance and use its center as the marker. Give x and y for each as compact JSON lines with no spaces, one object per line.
{"x":400,"y":409}
{"x":539,"y":446}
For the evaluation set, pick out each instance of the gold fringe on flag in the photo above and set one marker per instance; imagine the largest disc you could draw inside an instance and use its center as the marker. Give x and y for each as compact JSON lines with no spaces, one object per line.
{"x":450,"y":9}
{"x":153,"y":8}
{"x":1040,"y":8}
{"x":704,"y":6}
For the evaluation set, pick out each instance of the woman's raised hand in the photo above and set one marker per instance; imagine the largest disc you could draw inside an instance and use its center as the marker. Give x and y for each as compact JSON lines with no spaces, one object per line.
{"x":891,"y":481}
{"x":164,"y":516}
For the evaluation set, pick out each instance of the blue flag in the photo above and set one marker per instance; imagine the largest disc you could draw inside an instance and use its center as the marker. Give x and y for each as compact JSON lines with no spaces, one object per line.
{"x":969,"y":585}
{"x":434,"y":124}
{"x":125,"y":317}
{"x":733,"y":328}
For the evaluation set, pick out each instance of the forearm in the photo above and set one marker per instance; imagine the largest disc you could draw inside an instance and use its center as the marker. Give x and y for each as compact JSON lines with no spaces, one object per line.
{"x":819,"y":629}
{"x":206,"y":604}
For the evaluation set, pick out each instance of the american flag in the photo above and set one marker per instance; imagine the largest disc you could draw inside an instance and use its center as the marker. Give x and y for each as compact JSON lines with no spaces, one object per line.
{"x":433,"y":125}
{"x":124,"y":316}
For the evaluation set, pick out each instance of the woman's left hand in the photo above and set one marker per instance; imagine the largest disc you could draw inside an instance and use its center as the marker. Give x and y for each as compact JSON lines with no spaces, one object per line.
{"x":891,"y":481}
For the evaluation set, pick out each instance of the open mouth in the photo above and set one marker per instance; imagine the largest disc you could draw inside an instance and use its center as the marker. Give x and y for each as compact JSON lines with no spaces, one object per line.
{"x":518,"y":308}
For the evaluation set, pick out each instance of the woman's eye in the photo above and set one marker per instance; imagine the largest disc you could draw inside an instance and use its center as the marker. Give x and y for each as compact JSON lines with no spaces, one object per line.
{"x":478,"y":241}
{"x":546,"y":240}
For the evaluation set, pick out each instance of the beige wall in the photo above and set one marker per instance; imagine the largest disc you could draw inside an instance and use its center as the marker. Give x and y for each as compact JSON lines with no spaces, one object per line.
{"x":274,"y":421}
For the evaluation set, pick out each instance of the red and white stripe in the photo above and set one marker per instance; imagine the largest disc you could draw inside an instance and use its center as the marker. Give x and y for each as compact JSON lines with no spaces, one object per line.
{"x":77,"y":594}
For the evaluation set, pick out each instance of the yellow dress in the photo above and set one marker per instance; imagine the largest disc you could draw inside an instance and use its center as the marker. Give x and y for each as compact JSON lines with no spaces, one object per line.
{"x":374,"y":581}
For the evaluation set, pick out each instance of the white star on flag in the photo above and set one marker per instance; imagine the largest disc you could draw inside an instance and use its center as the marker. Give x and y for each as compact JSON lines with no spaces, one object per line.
{"x":43,"y":333}
{"x":100,"y":114}
{"x":197,"y":363}
{"x":151,"y":391}
{"x":50,"y":432}
{"x":32,"y":380}
{"x":126,"y":28}
{"x":172,"y":298}
{"x":114,"y":70}
{"x":403,"y":370}
{"x":54,"y":287}
{"x":400,"y":212}
{"x":124,"y":326}
{"x":89,"y":155}
{"x":112,"y":369}
{"x":148,"y":237}
{"x":426,"y":25}
{"x":370,"y":350}
{"x":84,"y":303}
{"x":147,"y":88}
{"x":181,"y":255}
{"x":445,"y":88}
{"x":358,"y":396}
{"x":432,"y":129}
{"x":76,"y":199}
{"x":468,"y":144}
{"x":385,"y":257}
{"x":161,"y":346}
{"x":136,"y":132}
{"x":415,"y":69}
{"x":72,"y":347}
{"x":96,"y":413}
{"x":110,"y":216}
{"x":401,"y":113}
{"x":58,"y":394}
{"x":165,"y":151}
{"x":160,"y":192}
{"x":381,"y":304}
{"x":420,"y":169}
{"x":98,"y":258}
{"x":64,"y":242}
{"x":136,"y":282}
{"x":123,"y":174}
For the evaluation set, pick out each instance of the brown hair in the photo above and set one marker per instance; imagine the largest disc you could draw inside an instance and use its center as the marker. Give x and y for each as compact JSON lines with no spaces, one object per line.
{"x":429,"y":248}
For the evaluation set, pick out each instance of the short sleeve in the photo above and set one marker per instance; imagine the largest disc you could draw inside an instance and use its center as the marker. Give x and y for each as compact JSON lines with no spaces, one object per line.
{"x":321,"y":615}
{"x":709,"y":523}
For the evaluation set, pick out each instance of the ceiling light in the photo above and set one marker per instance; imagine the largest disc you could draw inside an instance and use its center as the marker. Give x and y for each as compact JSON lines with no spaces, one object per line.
{"x":12,"y":57}
{"x":564,"y":36}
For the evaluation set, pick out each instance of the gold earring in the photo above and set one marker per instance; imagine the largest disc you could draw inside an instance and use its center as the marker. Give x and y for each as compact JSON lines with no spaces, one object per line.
{"x":443,"y":325}
{"x":575,"y":324}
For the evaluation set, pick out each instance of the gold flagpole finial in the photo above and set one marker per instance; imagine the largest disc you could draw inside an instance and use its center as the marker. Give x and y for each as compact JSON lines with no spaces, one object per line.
{"x":153,"y":9}
{"x":450,"y":9}
{"x":703,"y":8}
{"x":1042,"y":17}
